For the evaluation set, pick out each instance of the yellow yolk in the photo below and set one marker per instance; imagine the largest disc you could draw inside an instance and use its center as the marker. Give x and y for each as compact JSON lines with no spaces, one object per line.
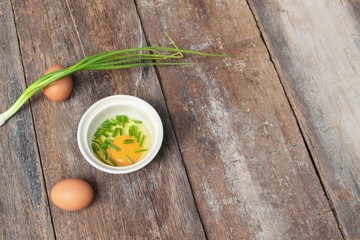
{"x":127,"y":154}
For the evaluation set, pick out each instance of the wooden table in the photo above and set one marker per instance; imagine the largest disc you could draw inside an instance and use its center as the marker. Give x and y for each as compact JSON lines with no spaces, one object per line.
{"x":263,"y":145}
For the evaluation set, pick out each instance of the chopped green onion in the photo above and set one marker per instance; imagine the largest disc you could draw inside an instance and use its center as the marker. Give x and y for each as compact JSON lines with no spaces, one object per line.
{"x":106,"y":130}
{"x":126,"y":119}
{"x":109,"y":143}
{"x":142,"y":141}
{"x":122,"y":119}
{"x":141,"y":150}
{"x":98,"y":157}
{"x":98,"y":133}
{"x":104,"y":146}
{"x":109,"y":130}
{"x":115,"y":132}
{"x":104,"y":152}
{"x":94,"y":147}
{"x":137,"y":121}
{"x":105,"y":134}
{"x":128,"y":141}
{"x":115,"y":147}
{"x":133,"y":130}
{"x":138,"y":136}
{"x":107,"y":124}
{"x":113,"y":161}
{"x":131,"y":161}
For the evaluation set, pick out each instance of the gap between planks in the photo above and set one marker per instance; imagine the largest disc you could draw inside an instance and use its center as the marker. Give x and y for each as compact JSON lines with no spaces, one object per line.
{"x":333,"y":210}
{"x":32,"y":120}
{"x":171,"y":124}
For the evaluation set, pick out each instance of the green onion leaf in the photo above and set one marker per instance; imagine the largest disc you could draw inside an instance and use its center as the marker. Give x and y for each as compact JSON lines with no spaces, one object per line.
{"x":119,"y":119}
{"x":122,"y":119}
{"x":98,"y":157}
{"x":137,"y":121}
{"x":141,"y":150}
{"x":94,"y":147}
{"x":98,"y":133}
{"x":142,"y":141}
{"x":133,"y":130}
{"x":115,"y":132}
{"x":115,"y":147}
{"x":131,"y":161}
{"x":107,"y":124}
{"x":108,"y":143}
{"x":106,"y":130}
{"x":128,"y":141}
{"x":105,"y":134}
{"x":138,"y":137}
{"x":103,"y":150}
{"x":113,"y":161}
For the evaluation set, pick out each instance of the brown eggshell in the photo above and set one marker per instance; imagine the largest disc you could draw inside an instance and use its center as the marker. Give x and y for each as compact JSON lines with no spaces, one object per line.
{"x":72,"y":194}
{"x":61,"y":89}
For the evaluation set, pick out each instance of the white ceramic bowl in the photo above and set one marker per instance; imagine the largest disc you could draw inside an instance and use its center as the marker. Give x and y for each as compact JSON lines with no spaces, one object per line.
{"x":110,"y":107}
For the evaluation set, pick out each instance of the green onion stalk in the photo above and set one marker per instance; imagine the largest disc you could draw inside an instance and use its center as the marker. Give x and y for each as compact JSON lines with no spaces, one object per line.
{"x":121,"y":59}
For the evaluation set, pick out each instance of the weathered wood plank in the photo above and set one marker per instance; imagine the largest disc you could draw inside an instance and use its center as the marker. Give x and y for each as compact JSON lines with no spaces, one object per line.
{"x":24,"y":209}
{"x":316,"y":49}
{"x":249,"y":169}
{"x":154,"y":203}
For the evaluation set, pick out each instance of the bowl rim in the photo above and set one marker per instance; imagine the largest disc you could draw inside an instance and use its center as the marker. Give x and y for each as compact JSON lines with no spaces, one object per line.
{"x":121,"y":100}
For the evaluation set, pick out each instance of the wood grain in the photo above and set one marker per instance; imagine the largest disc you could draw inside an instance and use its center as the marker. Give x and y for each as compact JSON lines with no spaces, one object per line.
{"x":315,"y":47}
{"x":24,"y":209}
{"x":154,"y":203}
{"x":248,"y":166}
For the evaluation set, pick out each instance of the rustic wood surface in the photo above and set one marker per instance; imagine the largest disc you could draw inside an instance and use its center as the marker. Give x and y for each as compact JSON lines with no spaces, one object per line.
{"x":318,"y":61}
{"x":247,"y":163}
{"x":24,"y":208}
{"x":261,"y":145}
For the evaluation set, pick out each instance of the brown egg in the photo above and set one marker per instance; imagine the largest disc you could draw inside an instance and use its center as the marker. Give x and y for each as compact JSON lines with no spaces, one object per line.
{"x":72,"y":194}
{"x":61,"y":89}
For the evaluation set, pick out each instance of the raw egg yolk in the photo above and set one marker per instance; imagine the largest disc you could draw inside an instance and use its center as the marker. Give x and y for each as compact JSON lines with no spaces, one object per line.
{"x":127,"y":154}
